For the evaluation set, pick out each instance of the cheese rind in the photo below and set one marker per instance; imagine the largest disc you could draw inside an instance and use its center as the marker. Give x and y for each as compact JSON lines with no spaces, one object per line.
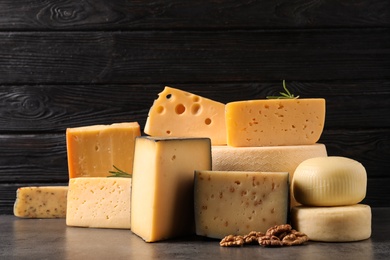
{"x":162,"y":204}
{"x":329,"y":181}
{"x":266,"y":159}
{"x":178,"y":113}
{"x":275,"y":122}
{"x":232,"y":202}
{"x":333,"y":224}
{"x":93,"y":150}
{"x":41,"y":202}
{"x":99,"y":202}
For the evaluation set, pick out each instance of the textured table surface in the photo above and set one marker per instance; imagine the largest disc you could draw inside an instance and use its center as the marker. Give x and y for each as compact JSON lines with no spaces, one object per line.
{"x":52,"y":239}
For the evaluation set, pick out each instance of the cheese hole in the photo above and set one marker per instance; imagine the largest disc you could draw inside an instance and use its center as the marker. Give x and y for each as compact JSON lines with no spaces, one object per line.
{"x":195,"y":98}
{"x":180,"y":109}
{"x":168,"y":132}
{"x":160,"y":109}
{"x":207,"y":121}
{"x":195,"y":109}
{"x":168,"y":96}
{"x":97,"y":148}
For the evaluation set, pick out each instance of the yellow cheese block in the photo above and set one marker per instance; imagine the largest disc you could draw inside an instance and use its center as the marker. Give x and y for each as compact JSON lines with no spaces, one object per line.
{"x":333,"y":224}
{"x":329,"y":181}
{"x":236,"y":203}
{"x":41,"y":202}
{"x":93,"y":150}
{"x":99,"y":202}
{"x":162,"y":204}
{"x":177,"y":113}
{"x":266,"y":159}
{"x":275,"y":122}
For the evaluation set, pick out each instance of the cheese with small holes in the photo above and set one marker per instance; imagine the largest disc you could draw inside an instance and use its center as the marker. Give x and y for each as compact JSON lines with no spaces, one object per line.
{"x":275,"y":122}
{"x":41,"y":202}
{"x":266,"y":159}
{"x":94,"y":150}
{"x":99,"y":202}
{"x":333,"y":224}
{"x":236,"y":203}
{"x":162,"y":204}
{"x":329,"y":181}
{"x":178,"y":113}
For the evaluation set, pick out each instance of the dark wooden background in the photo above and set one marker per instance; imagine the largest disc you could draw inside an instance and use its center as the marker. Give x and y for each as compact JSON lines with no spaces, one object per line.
{"x":73,"y":63}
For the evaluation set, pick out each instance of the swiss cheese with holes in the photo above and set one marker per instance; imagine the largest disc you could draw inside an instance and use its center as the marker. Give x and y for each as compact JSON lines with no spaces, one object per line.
{"x":177,"y":113}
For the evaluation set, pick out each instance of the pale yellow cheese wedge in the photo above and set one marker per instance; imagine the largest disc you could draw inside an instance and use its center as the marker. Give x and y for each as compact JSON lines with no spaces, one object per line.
{"x":93,"y":150}
{"x":275,"y":122}
{"x":236,"y":203}
{"x":178,"y":113}
{"x":99,"y":202}
{"x":329,"y":181}
{"x":333,"y":224}
{"x":162,"y":201}
{"x":41,"y":202}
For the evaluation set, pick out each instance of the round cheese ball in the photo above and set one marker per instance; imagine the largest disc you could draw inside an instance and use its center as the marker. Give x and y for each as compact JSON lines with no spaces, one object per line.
{"x":329,"y":181}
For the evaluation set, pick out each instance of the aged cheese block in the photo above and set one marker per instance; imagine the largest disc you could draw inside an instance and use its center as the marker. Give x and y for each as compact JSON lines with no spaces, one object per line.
{"x":233,"y":202}
{"x":99,"y":202}
{"x":329,"y":181}
{"x":162,"y":204}
{"x":333,"y":224}
{"x":275,"y":122}
{"x":183,"y":114}
{"x":41,"y":202}
{"x":267,"y":159}
{"x":93,"y":150}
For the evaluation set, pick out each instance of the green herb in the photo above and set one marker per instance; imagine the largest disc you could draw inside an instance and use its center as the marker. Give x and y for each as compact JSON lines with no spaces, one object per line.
{"x":283,"y":95}
{"x":119,"y":173}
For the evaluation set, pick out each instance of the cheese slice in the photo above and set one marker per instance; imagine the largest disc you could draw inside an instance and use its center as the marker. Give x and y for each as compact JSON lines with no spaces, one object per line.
{"x":94,"y":150}
{"x":41,"y":202}
{"x":177,"y":113}
{"x":236,"y":203}
{"x":275,"y":122}
{"x":99,"y":202}
{"x":266,"y":159}
{"x":329,"y":181}
{"x":333,"y":224}
{"x":162,"y":204}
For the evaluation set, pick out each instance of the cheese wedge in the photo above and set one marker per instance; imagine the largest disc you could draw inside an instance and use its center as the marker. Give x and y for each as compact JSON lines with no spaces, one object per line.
{"x":329,"y":181}
{"x":333,"y":224}
{"x":275,"y":122}
{"x":162,"y":202}
{"x":93,"y":150}
{"x":236,"y":203}
{"x":177,"y":113}
{"x":41,"y":202}
{"x":99,"y":202}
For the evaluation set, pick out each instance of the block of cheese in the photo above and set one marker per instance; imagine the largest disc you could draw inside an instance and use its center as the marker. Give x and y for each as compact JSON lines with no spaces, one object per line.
{"x":93,"y":150}
{"x":99,"y":202}
{"x":236,"y":203}
{"x":275,"y":122}
{"x":329,"y":181}
{"x":162,"y":204}
{"x":41,"y":202}
{"x":266,"y":159}
{"x":177,"y":113}
{"x":333,"y":224}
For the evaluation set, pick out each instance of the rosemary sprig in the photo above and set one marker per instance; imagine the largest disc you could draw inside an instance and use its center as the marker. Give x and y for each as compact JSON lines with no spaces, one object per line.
{"x":119,"y":173}
{"x":283,"y":95}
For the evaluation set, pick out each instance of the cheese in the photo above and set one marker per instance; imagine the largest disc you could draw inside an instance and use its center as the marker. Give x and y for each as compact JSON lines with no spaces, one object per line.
{"x":41,"y":202}
{"x":236,"y":203}
{"x":333,"y":224}
{"x":266,"y":159}
{"x":93,"y":150}
{"x":329,"y":181}
{"x":162,"y":204}
{"x":177,"y":113}
{"x":275,"y":122}
{"x":99,"y":202}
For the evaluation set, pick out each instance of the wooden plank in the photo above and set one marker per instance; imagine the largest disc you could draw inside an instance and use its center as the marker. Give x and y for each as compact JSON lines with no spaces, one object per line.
{"x":168,"y":57}
{"x":172,"y":14}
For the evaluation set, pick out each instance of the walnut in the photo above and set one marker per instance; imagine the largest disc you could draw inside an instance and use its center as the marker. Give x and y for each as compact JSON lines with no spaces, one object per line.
{"x":232,"y":240}
{"x":252,"y":237}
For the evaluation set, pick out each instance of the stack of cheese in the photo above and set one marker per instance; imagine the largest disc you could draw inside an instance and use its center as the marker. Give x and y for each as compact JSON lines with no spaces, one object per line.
{"x":330,"y":190}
